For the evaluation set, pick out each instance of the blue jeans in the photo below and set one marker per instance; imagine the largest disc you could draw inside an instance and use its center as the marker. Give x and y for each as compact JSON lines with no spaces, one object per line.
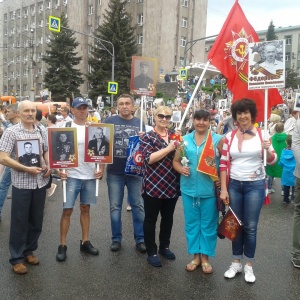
{"x":246,"y":199}
{"x":116,"y":184}
{"x":4,"y":186}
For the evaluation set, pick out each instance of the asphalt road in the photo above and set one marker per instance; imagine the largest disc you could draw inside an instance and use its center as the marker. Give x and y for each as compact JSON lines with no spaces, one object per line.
{"x":127,"y":275}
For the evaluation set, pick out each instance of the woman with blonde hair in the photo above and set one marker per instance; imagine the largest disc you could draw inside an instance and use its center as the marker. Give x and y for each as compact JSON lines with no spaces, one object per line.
{"x":160,"y":189}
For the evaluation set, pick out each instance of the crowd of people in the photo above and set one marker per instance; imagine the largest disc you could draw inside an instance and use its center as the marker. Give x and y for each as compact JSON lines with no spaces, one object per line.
{"x":171,"y":157}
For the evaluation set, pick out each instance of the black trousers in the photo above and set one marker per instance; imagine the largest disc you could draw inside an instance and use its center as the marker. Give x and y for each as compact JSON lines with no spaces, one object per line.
{"x":152,"y":207}
{"x":27,"y":211}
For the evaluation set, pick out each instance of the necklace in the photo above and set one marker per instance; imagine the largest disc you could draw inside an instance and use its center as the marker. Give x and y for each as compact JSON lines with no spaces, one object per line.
{"x":161,"y":134}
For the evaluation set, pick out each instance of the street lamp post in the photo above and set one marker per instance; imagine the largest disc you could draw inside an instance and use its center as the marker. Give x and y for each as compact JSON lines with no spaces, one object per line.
{"x":111,"y":53}
{"x":31,"y":92}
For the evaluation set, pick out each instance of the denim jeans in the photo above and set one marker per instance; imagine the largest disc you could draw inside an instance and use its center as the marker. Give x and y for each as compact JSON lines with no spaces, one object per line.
{"x":296,"y":223}
{"x":246,"y":199}
{"x":116,"y":184}
{"x":4,"y":186}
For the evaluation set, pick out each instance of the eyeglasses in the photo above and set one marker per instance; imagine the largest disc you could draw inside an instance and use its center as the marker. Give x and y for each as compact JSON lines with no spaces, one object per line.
{"x":167,"y":117}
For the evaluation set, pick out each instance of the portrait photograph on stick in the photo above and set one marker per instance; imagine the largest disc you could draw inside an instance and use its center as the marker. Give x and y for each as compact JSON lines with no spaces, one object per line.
{"x":297,"y":102}
{"x":143,"y":76}
{"x":63,"y":151}
{"x":28,"y":152}
{"x":99,"y":143}
{"x":266,"y":65}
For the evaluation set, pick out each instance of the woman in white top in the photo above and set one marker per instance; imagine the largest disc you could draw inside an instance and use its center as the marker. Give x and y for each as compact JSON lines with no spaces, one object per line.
{"x":242,"y":176}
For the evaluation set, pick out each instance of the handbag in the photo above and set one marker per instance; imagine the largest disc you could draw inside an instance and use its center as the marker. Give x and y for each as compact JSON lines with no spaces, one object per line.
{"x":230,"y":225}
{"x":48,"y":185}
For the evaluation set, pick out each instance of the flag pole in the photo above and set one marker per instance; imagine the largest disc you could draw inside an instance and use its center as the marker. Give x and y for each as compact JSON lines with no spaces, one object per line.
{"x":265,"y":123}
{"x":193,"y":95}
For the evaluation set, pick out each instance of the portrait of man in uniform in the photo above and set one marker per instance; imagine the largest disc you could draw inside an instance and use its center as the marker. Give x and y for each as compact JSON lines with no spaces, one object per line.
{"x":63,"y":147}
{"x":29,"y":153}
{"x":142,"y":81}
{"x":99,"y":143}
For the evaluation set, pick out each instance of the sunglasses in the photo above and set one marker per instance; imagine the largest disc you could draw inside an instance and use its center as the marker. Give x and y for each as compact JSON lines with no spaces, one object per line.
{"x":161,"y":116}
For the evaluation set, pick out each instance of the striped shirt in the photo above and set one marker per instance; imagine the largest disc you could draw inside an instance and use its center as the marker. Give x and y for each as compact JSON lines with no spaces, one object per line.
{"x":8,"y":144}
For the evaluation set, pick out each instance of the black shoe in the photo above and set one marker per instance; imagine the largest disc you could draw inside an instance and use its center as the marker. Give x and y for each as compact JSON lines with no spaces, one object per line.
{"x":167,"y":253}
{"x":87,"y":247}
{"x":141,"y":247}
{"x":154,"y":260}
{"x":115,"y":246}
{"x":61,"y":253}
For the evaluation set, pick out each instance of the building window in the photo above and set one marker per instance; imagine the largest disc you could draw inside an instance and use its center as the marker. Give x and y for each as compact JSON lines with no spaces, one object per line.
{"x":184,"y":22}
{"x":288,"y":40}
{"x":25,"y":12}
{"x":18,"y":44}
{"x":19,"y":13}
{"x":140,"y":19}
{"x":98,"y":21}
{"x":139,"y":39}
{"x":90,"y":29}
{"x":56,"y":2}
{"x":18,"y":73}
{"x":12,"y":15}
{"x":40,"y":71}
{"x":25,"y":86}
{"x":5,"y":17}
{"x":182,"y":41}
{"x":185,"y":3}
{"x":99,"y":2}
{"x":5,"y":31}
{"x":181,"y":61}
{"x":41,"y":23}
{"x":5,"y":74}
{"x":91,"y":9}
{"x":32,"y":10}
{"x":139,"y":1}
{"x":26,"y":27}
{"x":288,"y":56}
{"x":65,"y":2}
{"x":18,"y":58}
{"x":48,"y":4}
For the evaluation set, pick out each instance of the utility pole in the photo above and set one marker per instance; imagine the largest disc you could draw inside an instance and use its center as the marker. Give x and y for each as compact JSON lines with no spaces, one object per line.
{"x":32,"y":92}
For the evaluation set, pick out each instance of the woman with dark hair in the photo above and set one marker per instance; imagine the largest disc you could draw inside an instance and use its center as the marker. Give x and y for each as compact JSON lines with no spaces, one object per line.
{"x":160,"y":188}
{"x":242,"y":176}
{"x":198,"y":191}
{"x":51,"y":120}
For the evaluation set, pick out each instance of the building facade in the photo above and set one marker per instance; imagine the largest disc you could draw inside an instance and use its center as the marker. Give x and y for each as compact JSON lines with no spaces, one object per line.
{"x":163,"y":29}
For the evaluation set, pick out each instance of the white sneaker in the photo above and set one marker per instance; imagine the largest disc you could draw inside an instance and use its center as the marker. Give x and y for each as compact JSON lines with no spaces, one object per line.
{"x":270,"y":191}
{"x":249,"y":276}
{"x":51,"y":190}
{"x":129,"y":208}
{"x":233,"y":270}
{"x":282,"y":193}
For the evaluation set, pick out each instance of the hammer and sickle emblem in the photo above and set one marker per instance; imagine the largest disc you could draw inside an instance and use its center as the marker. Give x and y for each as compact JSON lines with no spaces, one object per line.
{"x":241,"y":50}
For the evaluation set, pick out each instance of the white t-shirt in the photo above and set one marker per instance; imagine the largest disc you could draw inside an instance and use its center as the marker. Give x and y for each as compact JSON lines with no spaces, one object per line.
{"x":247,"y":165}
{"x":84,"y":170}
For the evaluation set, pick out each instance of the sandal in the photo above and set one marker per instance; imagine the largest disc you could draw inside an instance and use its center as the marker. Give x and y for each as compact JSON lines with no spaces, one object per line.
{"x":206,"y":268}
{"x":192,"y":266}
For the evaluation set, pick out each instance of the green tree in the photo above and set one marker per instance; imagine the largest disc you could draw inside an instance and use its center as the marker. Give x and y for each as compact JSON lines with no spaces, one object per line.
{"x":291,"y":79}
{"x":118,"y":30}
{"x":271,"y":36}
{"x":61,"y":77}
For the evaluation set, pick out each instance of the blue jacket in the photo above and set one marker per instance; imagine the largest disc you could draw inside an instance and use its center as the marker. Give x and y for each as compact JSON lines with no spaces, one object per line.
{"x":288,"y":164}
{"x":198,"y":184}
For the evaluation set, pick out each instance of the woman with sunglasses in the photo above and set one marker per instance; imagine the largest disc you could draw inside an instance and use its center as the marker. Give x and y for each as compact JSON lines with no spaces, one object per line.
{"x":198,"y":192}
{"x":160,"y":189}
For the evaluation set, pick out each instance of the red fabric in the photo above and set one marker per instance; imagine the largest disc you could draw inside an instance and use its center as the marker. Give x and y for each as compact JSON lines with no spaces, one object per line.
{"x":229,"y":55}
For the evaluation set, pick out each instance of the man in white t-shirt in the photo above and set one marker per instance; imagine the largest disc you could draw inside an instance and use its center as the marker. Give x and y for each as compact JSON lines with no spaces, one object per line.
{"x":66,"y":118}
{"x":81,"y":181}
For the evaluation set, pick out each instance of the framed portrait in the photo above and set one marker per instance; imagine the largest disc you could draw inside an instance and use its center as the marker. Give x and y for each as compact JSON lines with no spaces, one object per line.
{"x":176,"y":116}
{"x":297,"y":102}
{"x":63,"y":150}
{"x":28,"y":152}
{"x":99,"y":142}
{"x":143,"y":76}
{"x":266,"y":67}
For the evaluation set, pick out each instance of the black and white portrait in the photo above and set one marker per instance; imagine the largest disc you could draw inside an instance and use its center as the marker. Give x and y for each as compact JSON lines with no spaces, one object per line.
{"x":28,"y":153}
{"x":99,"y":139}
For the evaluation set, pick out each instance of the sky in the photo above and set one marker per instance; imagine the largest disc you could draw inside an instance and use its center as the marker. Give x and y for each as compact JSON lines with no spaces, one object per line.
{"x":259,"y":13}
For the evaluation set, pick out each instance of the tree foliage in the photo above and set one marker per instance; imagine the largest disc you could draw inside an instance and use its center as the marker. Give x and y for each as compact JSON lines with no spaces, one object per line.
{"x":116,"y":29}
{"x":271,"y":36}
{"x":291,"y":79}
{"x":61,"y":77}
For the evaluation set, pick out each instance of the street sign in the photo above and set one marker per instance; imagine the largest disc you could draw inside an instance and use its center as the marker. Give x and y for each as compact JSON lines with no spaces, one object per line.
{"x":112,"y":88}
{"x":54,"y":24}
{"x":183,"y":73}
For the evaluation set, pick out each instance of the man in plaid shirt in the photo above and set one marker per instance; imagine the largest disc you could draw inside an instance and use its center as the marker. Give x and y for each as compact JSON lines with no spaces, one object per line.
{"x":28,"y":190}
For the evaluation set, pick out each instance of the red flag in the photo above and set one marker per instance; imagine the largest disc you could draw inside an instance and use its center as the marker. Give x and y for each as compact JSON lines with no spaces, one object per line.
{"x":207,"y":161}
{"x":229,"y":55}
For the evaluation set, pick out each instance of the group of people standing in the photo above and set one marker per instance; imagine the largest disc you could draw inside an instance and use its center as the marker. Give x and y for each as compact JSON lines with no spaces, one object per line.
{"x":171,"y":170}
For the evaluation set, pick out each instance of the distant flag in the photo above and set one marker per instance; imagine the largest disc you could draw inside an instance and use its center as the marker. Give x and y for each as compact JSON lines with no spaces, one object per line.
{"x":229,"y":55}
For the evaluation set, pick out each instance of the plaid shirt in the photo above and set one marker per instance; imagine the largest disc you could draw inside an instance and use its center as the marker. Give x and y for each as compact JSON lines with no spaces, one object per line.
{"x":160,"y":180}
{"x":23,"y":180}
